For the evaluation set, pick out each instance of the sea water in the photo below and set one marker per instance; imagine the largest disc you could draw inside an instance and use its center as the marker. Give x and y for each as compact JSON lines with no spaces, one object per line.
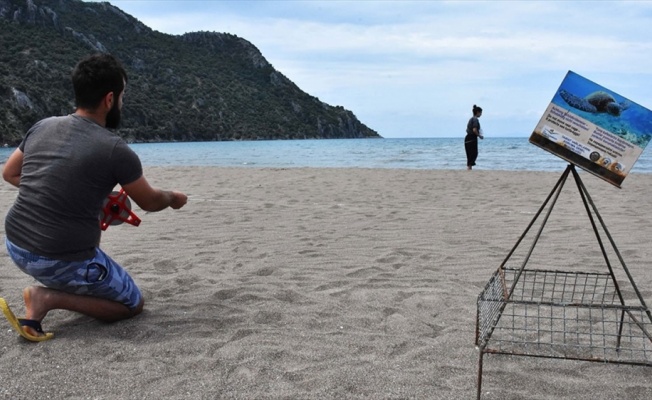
{"x":509,"y":154}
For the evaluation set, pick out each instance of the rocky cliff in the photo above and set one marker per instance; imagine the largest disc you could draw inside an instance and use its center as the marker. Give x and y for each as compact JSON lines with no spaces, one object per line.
{"x":196,"y":86}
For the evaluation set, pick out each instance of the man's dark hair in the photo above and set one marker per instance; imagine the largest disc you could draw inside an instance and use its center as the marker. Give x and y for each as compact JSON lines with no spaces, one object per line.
{"x":94,"y":77}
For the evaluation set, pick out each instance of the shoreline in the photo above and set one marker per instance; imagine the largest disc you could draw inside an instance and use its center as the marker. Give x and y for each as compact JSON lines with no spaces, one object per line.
{"x":432,"y":154}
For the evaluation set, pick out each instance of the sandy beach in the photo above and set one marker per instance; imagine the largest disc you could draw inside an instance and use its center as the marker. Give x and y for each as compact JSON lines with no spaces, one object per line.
{"x":326,"y":284}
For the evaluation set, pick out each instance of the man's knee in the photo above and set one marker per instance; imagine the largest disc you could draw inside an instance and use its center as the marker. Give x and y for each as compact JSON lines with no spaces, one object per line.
{"x":138,"y":309}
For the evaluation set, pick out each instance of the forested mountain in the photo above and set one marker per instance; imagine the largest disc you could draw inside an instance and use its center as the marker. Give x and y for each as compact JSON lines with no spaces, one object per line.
{"x":196,"y":86}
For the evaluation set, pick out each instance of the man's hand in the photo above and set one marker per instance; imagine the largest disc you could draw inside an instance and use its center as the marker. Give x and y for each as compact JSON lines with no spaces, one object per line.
{"x":178,"y":200}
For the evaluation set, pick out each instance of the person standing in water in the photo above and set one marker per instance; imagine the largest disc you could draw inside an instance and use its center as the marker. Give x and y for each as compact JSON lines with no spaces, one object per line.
{"x":473,"y":132}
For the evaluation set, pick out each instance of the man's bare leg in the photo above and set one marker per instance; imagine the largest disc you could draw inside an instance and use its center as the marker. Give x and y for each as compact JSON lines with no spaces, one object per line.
{"x":40,"y":300}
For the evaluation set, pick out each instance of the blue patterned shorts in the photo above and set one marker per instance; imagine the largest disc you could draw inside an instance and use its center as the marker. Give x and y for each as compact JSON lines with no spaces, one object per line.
{"x":99,"y":276}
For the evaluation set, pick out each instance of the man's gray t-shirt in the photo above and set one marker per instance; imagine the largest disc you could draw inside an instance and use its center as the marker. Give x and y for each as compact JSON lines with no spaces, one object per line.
{"x":71,"y":164}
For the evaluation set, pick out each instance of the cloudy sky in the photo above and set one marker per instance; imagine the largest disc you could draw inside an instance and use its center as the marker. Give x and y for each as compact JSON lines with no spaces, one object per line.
{"x":415,"y":68}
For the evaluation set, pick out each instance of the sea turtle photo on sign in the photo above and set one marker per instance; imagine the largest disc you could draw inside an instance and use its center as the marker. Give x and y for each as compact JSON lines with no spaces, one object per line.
{"x":594,"y":128}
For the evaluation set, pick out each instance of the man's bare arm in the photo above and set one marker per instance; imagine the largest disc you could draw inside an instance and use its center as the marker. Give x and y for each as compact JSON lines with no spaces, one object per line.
{"x":13,"y":167}
{"x":152,"y":199}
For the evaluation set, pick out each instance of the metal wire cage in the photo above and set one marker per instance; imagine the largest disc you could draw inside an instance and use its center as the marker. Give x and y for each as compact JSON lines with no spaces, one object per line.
{"x":563,"y":314}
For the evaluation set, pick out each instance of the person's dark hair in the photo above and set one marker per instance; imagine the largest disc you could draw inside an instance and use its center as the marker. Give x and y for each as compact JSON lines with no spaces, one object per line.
{"x":94,"y":77}
{"x":476,"y":109}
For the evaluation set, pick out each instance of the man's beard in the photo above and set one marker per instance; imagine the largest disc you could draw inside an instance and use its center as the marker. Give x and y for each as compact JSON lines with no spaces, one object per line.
{"x":113,"y":117}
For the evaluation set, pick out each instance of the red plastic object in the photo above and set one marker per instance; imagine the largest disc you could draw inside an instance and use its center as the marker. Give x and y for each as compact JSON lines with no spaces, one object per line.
{"x":116,"y":210}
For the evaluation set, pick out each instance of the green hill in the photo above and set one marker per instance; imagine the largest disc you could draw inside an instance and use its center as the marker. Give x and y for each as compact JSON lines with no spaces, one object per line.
{"x":200,"y":86}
